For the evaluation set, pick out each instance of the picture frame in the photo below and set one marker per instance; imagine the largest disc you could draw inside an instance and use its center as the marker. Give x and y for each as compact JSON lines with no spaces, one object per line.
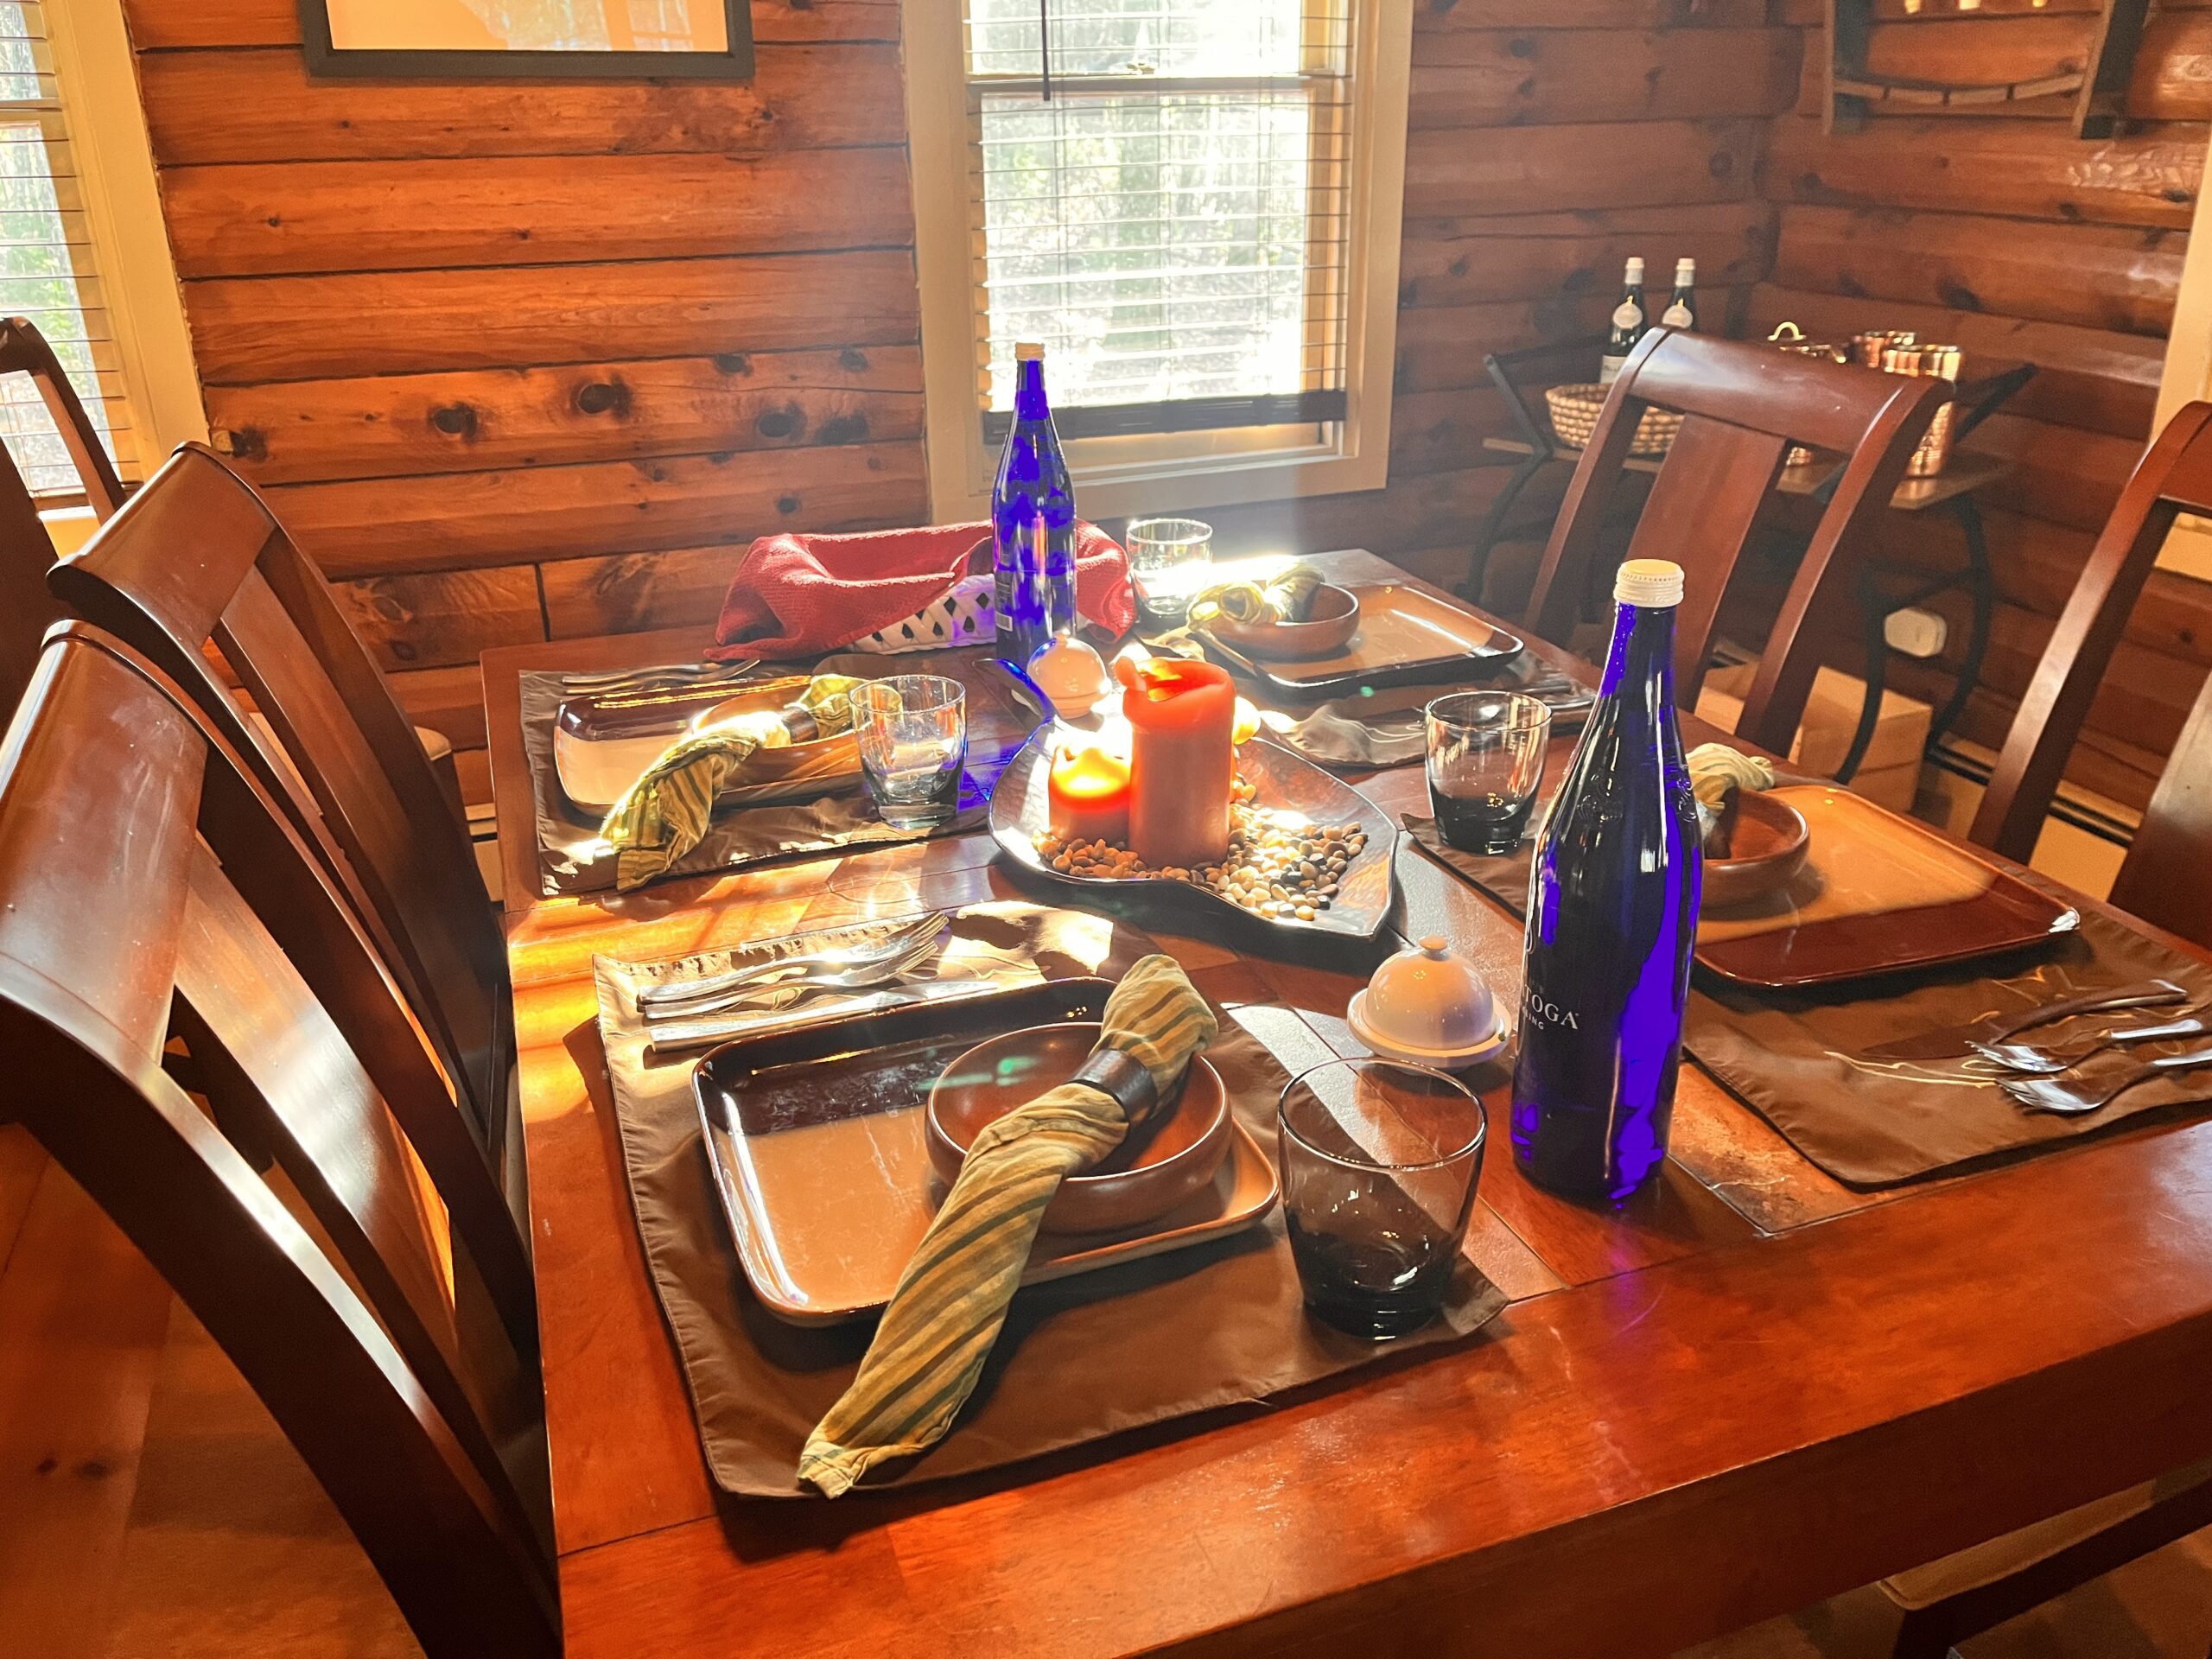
{"x":364,"y":39}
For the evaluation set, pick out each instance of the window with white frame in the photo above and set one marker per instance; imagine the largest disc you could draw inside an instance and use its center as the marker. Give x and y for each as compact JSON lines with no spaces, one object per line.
{"x":1194,"y":204}
{"x":47,"y":265}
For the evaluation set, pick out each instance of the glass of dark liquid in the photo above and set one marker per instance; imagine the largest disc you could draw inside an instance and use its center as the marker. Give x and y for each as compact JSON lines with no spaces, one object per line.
{"x":1485,"y":764}
{"x":1380,"y":1163}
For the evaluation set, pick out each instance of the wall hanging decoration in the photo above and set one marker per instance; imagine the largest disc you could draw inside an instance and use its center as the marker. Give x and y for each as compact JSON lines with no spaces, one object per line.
{"x":2097,"y":83}
{"x":704,"y":39}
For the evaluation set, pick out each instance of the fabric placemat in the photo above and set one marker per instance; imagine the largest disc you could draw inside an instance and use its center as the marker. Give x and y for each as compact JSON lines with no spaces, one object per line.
{"x":571,"y":858}
{"x":1793,"y":1056}
{"x":1218,"y":1324}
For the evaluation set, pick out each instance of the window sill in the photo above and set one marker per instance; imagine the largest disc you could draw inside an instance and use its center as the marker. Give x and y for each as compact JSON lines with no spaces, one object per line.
{"x":70,"y":528}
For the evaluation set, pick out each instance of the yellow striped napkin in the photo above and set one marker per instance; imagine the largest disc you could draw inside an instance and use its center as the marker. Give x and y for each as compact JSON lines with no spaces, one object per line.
{"x":1285,"y":598}
{"x":952,"y":1298}
{"x":665,"y":812}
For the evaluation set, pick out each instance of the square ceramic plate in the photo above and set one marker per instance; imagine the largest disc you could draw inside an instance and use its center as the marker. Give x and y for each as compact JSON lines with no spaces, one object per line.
{"x":1878,"y":894}
{"x":815,"y":1140}
{"x":1407,"y":636}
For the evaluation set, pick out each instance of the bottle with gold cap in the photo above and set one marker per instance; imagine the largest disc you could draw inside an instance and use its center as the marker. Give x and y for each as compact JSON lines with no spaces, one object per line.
{"x":1032,"y":521}
{"x":1612,"y":920}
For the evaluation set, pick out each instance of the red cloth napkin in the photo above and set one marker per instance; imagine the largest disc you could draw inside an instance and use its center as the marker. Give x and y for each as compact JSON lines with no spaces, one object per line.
{"x":801,"y":595}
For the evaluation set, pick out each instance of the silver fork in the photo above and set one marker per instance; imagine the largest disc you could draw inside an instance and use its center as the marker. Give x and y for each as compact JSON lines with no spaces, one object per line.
{"x":2046,"y":1062}
{"x":2073,"y":1099}
{"x":787,"y":992}
{"x":814,"y":964}
{"x":667,"y":678}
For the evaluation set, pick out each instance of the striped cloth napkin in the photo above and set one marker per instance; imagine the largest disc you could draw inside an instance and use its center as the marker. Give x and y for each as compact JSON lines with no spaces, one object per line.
{"x":665,"y":812}
{"x":1285,"y":598}
{"x":952,"y":1298}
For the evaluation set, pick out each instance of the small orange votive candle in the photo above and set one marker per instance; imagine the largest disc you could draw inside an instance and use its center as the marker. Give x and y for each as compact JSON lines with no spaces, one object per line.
{"x":1182,"y":759}
{"x":1088,"y":790}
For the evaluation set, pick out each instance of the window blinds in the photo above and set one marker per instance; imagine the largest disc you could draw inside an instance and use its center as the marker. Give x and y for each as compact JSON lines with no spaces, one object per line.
{"x":1158,"y":194}
{"x":46,"y":264}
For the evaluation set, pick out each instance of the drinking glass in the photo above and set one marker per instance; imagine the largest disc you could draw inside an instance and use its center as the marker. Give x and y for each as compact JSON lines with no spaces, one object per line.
{"x":914,"y":734}
{"x":1168,"y":558}
{"x":1380,"y":1163}
{"x":1485,"y":764}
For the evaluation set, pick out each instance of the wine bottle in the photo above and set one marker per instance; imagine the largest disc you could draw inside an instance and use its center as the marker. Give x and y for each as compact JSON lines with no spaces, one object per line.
{"x":1630,"y":322}
{"x":1612,"y":920}
{"x":1033,"y":517}
{"x":1682,"y":310}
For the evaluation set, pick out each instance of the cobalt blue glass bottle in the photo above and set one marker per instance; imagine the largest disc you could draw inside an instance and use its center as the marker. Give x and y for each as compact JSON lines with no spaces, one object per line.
{"x":1032,"y":520}
{"x":1612,"y":920}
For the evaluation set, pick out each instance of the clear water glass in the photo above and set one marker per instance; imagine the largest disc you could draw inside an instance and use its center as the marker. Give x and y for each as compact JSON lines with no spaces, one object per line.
{"x":1379,"y":1163}
{"x":1485,"y":765}
{"x":912,"y":730}
{"x":1169,"y":562}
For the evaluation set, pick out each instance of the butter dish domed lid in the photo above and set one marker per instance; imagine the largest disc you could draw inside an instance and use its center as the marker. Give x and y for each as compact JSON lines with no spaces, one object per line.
{"x":1428,"y":1005}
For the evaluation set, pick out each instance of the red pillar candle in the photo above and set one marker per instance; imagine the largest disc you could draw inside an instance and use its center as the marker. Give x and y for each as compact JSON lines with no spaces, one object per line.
{"x":1182,"y":759}
{"x":1088,"y":791}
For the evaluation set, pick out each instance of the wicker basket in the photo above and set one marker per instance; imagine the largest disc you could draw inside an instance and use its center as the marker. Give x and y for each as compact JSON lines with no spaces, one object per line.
{"x":1574,"y":417}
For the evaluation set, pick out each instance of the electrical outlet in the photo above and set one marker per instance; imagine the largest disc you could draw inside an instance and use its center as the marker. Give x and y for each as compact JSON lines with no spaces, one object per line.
{"x":1916,"y":632}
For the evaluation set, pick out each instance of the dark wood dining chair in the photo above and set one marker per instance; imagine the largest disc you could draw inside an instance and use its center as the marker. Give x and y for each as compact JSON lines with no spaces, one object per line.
{"x":23,"y":350}
{"x":197,"y":558}
{"x":1743,"y":408}
{"x":146,"y":878}
{"x":2162,"y":877}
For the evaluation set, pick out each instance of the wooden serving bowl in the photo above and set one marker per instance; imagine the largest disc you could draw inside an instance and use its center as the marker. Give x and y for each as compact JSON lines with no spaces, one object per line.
{"x":1767,"y":847}
{"x":1329,"y":626}
{"x":1165,"y":1161}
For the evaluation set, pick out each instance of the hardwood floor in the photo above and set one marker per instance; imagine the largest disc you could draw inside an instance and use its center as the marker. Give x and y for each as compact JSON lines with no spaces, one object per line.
{"x":149,"y":1508}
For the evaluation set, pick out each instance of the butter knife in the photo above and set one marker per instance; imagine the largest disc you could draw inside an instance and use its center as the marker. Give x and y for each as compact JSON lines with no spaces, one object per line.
{"x":679,"y":1036}
{"x":1955,"y":1042}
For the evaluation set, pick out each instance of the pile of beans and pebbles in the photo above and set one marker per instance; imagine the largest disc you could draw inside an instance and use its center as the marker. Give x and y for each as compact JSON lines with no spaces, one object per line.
{"x":1280,"y":865}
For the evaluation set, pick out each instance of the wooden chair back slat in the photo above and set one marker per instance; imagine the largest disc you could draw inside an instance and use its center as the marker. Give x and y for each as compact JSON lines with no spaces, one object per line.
{"x":197,"y":558}
{"x":1709,"y":494}
{"x":27,"y":609}
{"x":118,"y":818}
{"x":2162,"y":879}
{"x":24,"y":350}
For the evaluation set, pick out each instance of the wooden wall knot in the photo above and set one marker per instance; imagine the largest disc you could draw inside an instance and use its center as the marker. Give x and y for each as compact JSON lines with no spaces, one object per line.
{"x":609,"y":397}
{"x":455,"y":421}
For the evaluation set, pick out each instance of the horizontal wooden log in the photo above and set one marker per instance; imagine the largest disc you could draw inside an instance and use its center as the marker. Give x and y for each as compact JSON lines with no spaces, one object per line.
{"x":163,"y":23}
{"x":1443,"y":431}
{"x":1546,"y":169}
{"x":444,"y":618}
{"x":2100,"y":763}
{"x":630,"y":593}
{"x":455,"y":521}
{"x":2024,"y":169}
{"x":289,"y":218}
{"x":388,"y":425}
{"x":448,"y":700}
{"x":301,"y":328}
{"x":2085,"y":377}
{"x":1495,"y":78}
{"x":2036,"y":564}
{"x":2102,"y":276}
{"x":1436,"y":23}
{"x":262,"y":106}
{"x":2060,"y":472}
{"x":1542,"y":256}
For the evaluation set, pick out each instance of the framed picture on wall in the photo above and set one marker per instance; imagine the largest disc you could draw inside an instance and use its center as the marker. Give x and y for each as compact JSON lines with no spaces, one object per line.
{"x":463,"y":39}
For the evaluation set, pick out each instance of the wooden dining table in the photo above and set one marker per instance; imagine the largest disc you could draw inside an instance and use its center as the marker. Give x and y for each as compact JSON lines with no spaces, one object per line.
{"x":1748,"y":1388}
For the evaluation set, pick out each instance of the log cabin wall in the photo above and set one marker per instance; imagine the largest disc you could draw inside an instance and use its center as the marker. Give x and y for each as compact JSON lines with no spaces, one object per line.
{"x":2012,"y":237}
{"x":517,"y":361}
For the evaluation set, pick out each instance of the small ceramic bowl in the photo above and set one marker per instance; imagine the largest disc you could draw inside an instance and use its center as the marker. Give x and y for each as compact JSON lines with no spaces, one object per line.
{"x":1767,"y":847}
{"x":1429,"y":1006}
{"x":1329,"y":625}
{"x":1164,"y":1161}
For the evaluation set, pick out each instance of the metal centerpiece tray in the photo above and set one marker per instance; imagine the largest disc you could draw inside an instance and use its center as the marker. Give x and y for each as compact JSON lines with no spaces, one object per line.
{"x":817,"y":1143}
{"x":1285,"y":783}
